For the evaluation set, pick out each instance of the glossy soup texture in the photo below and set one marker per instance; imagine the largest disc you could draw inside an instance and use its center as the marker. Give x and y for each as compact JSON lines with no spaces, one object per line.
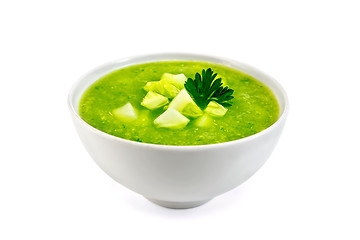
{"x":254,"y":107}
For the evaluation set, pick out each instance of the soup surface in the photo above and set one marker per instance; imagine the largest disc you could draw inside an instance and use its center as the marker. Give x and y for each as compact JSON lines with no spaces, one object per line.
{"x":254,"y":107}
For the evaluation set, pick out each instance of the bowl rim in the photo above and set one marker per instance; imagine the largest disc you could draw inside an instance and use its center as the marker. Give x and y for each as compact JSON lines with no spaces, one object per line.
{"x":146,"y":58}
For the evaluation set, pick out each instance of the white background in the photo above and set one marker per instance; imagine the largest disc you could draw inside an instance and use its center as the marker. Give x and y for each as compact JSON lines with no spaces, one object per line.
{"x":309,"y":189}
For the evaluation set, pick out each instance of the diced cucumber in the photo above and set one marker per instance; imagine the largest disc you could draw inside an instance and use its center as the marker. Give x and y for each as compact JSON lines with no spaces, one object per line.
{"x":192,"y":110}
{"x":204,"y":121}
{"x":154,"y":86}
{"x":181,"y":100}
{"x":153,"y":100}
{"x":172,"y":119}
{"x":178,"y":80}
{"x":185,"y":105}
{"x":126,"y":112}
{"x":215,"y":109}
{"x":170,"y":90}
{"x":166,"y":89}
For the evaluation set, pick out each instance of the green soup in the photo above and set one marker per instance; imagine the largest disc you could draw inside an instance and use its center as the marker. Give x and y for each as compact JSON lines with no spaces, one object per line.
{"x":254,"y":107}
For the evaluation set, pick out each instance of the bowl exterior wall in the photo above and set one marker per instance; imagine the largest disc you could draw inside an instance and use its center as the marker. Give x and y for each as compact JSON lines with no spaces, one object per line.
{"x":178,"y":175}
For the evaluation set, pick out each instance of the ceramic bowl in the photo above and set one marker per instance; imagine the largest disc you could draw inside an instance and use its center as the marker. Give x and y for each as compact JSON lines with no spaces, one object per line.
{"x":178,"y":176}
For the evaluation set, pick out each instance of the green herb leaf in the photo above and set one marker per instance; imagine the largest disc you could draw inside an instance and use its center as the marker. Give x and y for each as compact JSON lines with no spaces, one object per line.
{"x":205,"y":88}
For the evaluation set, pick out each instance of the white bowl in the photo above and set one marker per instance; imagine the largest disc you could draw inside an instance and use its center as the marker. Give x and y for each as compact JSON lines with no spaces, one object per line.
{"x":178,"y":176}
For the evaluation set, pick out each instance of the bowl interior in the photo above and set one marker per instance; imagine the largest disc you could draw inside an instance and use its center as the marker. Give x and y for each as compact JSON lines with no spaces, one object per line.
{"x":87,"y":80}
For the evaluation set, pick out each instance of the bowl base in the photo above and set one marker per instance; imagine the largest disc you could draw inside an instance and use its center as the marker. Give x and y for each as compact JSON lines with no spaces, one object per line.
{"x":178,"y":205}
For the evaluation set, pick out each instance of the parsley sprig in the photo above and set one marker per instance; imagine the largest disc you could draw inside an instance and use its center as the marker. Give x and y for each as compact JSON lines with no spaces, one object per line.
{"x":204,"y":88}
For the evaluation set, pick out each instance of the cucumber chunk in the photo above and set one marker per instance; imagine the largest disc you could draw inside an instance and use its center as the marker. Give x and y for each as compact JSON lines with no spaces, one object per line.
{"x":172,"y":119}
{"x":192,"y":110}
{"x":153,"y":100}
{"x":204,"y":121}
{"x":215,"y":109}
{"x":154,"y":86}
{"x":185,"y":105}
{"x":126,"y":112}
{"x":170,"y":90}
{"x":181,"y":100}
{"x":178,"y":80}
{"x":166,"y":89}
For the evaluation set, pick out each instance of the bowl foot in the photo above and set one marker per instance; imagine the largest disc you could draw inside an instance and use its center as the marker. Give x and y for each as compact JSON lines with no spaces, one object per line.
{"x":178,"y":205}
